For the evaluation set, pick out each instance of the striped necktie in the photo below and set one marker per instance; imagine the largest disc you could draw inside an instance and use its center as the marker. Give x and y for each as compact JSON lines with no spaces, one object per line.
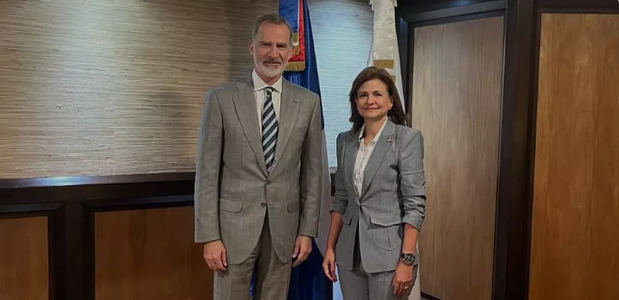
{"x":269,"y":128}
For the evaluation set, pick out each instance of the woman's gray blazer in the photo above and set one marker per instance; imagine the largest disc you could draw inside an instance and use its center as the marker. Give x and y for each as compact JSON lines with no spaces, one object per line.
{"x":393,"y":193}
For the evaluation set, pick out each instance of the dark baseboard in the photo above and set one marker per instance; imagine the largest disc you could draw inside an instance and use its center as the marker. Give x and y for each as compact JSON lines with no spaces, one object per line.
{"x":425,"y":296}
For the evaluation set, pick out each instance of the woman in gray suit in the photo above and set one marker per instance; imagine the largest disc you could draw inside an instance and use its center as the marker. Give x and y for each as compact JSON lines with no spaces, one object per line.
{"x":379,"y":202}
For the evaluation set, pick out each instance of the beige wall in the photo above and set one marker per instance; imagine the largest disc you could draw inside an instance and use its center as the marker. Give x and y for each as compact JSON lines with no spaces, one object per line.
{"x":106,"y":88}
{"x":113,"y":87}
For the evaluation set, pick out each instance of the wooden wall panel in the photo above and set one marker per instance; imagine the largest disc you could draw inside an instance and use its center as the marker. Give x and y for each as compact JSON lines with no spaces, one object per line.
{"x":456,"y":103}
{"x":149,"y":254}
{"x":113,"y":87}
{"x":24,"y":261}
{"x":575,"y":226}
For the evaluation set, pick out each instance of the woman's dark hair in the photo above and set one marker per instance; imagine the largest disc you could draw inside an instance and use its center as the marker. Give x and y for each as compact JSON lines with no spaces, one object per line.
{"x":396,"y":113}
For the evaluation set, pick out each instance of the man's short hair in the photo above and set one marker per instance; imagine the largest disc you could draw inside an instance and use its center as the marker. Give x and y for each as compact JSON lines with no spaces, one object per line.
{"x":271,"y":19}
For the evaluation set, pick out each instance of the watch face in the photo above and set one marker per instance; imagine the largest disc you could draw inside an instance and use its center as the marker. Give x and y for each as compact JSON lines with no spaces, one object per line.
{"x":409,"y":259}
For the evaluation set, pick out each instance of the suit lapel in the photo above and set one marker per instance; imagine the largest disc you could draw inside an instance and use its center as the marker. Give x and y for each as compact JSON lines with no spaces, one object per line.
{"x":350,"y":155}
{"x":384,"y":143}
{"x":288,"y":110}
{"x":245,"y":105}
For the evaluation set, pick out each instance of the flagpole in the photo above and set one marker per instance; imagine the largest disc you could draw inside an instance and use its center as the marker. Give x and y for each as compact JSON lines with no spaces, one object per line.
{"x":384,"y":53}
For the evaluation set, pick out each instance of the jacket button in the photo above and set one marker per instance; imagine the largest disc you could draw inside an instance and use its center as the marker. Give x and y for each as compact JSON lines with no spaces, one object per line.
{"x":263,"y":204}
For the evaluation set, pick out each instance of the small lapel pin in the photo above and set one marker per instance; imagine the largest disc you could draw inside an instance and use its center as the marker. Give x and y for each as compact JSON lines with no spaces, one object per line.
{"x":388,"y":140}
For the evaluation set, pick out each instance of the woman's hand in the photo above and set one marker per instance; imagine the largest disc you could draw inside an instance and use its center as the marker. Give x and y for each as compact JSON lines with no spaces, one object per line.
{"x":402,"y":279}
{"x":328,"y":264}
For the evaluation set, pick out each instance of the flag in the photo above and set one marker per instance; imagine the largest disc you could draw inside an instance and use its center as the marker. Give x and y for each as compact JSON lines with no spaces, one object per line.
{"x":384,"y":53}
{"x":307,"y":281}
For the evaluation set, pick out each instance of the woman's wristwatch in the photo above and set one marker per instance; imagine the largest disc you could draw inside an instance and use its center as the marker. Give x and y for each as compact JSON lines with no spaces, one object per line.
{"x":408,"y":258}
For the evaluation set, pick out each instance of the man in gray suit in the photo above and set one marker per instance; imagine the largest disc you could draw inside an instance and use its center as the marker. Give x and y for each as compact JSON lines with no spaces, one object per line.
{"x":258,"y":174}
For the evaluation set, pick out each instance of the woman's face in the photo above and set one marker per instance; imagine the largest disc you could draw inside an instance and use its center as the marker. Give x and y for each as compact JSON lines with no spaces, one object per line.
{"x":373,"y":100}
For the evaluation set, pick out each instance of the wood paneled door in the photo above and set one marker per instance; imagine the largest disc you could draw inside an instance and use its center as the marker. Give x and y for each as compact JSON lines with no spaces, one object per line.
{"x":456,"y":96}
{"x":575,"y":227}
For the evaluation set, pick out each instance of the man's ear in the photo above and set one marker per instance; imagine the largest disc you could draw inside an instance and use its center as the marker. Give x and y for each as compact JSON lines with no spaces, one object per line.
{"x":250,"y":45}
{"x":290,"y":54}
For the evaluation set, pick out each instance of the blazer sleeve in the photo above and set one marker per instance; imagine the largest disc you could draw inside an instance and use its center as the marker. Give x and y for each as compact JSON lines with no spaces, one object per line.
{"x":411,"y":178}
{"x":339,"y":202}
{"x":311,"y":174}
{"x":206,"y":192}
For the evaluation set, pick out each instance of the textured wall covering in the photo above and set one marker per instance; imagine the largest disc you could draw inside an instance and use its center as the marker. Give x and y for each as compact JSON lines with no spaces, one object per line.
{"x":456,"y":104}
{"x":113,"y":87}
{"x":574,"y":246}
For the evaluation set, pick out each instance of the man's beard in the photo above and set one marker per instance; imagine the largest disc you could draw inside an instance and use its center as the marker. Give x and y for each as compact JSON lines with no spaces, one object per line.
{"x":271,"y":72}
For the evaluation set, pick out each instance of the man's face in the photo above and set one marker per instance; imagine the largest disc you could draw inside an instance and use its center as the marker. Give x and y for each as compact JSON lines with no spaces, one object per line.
{"x":271,"y":50}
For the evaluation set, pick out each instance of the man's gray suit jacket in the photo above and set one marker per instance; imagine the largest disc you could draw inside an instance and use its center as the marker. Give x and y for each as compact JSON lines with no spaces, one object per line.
{"x":233,"y":189}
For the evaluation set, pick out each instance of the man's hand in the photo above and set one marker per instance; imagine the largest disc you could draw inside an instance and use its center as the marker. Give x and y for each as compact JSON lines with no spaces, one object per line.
{"x":215,"y":256}
{"x":302,"y":249}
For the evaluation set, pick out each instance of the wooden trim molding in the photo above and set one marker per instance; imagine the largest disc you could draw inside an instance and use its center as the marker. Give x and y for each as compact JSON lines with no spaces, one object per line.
{"x":483,"y":7}
{"x":579,"y":5}
{"x":93,"y":180}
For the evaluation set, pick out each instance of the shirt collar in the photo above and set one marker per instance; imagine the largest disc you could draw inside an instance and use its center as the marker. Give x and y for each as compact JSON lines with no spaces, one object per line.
{"x":259,"y":84}
{"x":380,"y":131}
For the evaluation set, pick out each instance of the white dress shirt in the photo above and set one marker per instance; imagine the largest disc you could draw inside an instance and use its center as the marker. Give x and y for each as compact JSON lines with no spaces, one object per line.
{"x":363,"y":156}
{"x":260,"y":96}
